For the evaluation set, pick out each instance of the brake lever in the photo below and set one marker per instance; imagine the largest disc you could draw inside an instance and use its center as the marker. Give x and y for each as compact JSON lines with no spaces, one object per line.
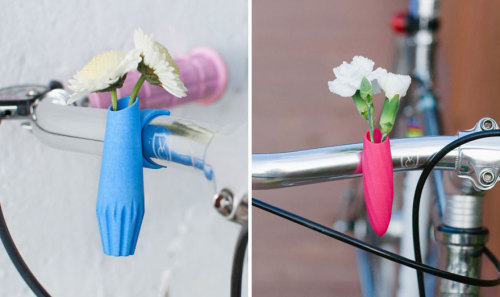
{"x":16,"y":101}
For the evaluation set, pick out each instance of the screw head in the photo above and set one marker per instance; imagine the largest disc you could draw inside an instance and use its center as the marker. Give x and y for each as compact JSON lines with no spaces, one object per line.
{"x":487,"y":124}
{"x":223,"y":202}
{"x":487,"y":177}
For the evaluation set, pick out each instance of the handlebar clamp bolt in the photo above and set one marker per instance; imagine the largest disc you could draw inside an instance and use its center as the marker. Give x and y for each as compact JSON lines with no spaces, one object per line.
{"x":223,"y":202}
{"x":487,"y":124}
{"x":487,"y":177}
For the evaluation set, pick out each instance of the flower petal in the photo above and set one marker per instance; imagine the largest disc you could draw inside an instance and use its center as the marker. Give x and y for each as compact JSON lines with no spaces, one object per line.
{"x":158,"y":60}
{"x":395,"y":84}
{"x":363,"y":63}
{"x":374,"y":76}
{"x":340,"y":88}
{"x":101,"y":72}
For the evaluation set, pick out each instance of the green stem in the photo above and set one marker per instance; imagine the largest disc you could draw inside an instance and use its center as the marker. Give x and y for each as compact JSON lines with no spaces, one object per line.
{"x":370,"y":122}
{"x":114,"y":100}
{"x":383,"y":137}
{"x":136,"y":89}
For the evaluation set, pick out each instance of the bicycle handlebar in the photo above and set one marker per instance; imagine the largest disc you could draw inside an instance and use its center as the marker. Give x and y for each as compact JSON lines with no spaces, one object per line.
{"x":166,"y":141}
{"x":278,"y":170}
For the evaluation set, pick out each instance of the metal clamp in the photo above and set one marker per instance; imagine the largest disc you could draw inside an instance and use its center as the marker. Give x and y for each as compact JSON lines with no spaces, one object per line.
{"x":230,"y":208}
{"x":477,"y":161}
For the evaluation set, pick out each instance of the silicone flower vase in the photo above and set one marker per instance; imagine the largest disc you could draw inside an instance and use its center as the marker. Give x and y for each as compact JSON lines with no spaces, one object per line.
{"x":120,"y":198}
{"x":378,"y":184}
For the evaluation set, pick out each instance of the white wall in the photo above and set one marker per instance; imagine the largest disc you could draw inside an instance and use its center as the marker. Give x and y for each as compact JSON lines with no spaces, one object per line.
{"x":48,"y":195}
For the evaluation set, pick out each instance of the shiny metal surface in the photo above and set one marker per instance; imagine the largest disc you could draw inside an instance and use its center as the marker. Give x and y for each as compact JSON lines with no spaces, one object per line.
{"x":479,"y":160}
{"x":82,"y":129}
{"x":277,"y":170}
{"x":462,"y":255}
{"x":223,"y":202}
{"x":179,"y":143}
{"x":463,"y":211}
{"x":424,"y":8}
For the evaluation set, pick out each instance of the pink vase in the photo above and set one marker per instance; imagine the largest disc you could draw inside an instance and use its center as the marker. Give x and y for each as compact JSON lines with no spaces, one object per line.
{"x":378,"y":184}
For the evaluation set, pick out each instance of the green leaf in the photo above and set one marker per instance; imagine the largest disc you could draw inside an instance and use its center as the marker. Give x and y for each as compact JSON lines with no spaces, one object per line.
{"x":361,"y":105}
{"x":366,"y":90}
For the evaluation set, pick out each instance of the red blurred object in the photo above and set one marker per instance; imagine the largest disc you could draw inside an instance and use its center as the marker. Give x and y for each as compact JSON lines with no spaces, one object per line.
{"x":399,"y":22}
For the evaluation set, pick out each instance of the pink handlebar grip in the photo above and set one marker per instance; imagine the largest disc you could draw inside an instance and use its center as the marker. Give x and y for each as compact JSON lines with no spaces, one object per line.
{"x":203,"y":72}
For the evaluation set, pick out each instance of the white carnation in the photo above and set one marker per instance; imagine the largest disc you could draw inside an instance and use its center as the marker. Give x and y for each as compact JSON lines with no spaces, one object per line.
{"x":394,"y":84}
{"x":349,"y":76}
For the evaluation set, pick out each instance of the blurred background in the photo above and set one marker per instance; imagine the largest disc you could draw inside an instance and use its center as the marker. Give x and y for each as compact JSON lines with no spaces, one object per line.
{"x":48,"y":196}
{"x":295,"y":46}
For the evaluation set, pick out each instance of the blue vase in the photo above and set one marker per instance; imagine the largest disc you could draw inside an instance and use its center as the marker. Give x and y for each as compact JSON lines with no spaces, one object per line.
{"x":120,"y":197}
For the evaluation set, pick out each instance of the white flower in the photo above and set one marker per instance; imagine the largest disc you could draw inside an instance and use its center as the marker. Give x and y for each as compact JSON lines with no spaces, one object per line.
{"x":349,"y":76}
{"x":157,"y":65}
{"x":374,"y":77}
{"x":102,"y":72}
{"x":394,"y":84}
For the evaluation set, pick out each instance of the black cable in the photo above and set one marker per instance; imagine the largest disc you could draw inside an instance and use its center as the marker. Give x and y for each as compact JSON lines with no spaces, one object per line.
{"x":238,"y":262}
{"x":18,"y":261}
{"x":381,"y":252}
{"x":428,"y":166}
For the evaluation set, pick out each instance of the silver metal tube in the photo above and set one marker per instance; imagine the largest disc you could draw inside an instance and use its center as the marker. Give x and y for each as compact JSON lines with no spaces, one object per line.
{"x":277,"y":170}
{"x":170,"y":141}
{"x":464,"y":211}
{"x":82,"y":129}
{"x":461,"y":253}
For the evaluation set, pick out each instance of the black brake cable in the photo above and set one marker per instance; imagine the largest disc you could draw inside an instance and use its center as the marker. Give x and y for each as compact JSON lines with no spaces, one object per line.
{"x":417,"y":264}
{"x":239,"y":262}
{"x":18,"y":261}
{"x":39,"y":290}
{"x":428,"y":166}
{"x":379,"y":251}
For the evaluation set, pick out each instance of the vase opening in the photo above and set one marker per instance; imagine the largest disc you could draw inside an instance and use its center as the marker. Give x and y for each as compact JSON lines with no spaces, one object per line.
{"x":123,"y":104}
{"x":377,"y":136}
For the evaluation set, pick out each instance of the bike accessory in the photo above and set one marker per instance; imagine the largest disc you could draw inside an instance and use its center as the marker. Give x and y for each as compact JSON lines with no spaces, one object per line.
{"x":203,"y":72}
{"x":120,"y":197}
{"x":378,"y":184}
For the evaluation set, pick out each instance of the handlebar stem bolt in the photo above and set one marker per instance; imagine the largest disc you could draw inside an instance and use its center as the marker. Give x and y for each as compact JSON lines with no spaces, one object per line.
{"x":486,"y":124}
{"x":487,"y":177}
{"x":223,"y":202}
